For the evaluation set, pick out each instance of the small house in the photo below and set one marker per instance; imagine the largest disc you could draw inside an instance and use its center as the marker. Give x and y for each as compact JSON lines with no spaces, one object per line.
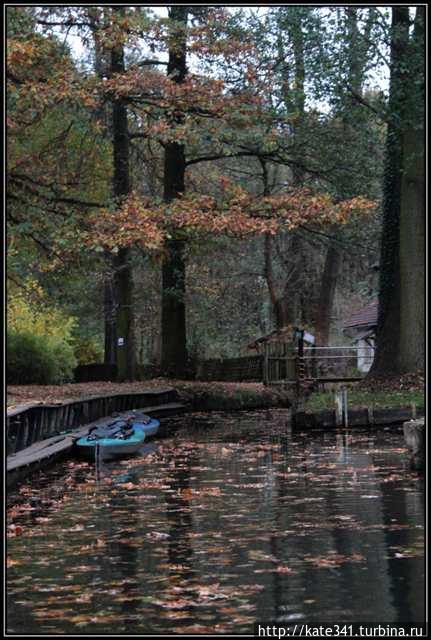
{"x":361,"y":328}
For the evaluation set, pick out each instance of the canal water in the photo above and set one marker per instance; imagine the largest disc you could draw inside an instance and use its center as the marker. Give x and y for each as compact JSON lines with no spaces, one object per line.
{"x":232,"y":521}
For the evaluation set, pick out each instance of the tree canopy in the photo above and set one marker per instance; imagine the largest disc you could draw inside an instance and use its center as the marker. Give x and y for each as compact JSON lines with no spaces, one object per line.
{"x":169,"y":136}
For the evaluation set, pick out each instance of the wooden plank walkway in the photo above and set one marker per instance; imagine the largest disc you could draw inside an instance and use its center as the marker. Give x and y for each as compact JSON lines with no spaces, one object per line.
{"x":24,"y":462}
{"x":28,"y":424}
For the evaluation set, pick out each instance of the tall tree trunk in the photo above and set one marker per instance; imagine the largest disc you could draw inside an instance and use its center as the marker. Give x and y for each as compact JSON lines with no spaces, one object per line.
{"x":123,"y":280}
{"x":286,"y":305}
{"x":297,"y":98}
{"x":356,"y":55}
{"x":386,"y":360}
{"x":280,"y":304}
{"x":296,"y":282}
{"x":174,"y":340}
{"x":412,"y":214}
{"x":412,"y":256}
{"x":98,"y":21}
{"x":326,"y":296}
{"x":356,"y":60}
{"x":109,"y":319}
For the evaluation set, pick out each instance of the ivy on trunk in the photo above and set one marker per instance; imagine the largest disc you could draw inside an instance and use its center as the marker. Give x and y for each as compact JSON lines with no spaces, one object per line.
{"x":174,"y":341}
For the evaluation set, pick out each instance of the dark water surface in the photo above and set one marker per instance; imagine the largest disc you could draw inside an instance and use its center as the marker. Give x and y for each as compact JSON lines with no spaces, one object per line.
{"x":232,"y":521}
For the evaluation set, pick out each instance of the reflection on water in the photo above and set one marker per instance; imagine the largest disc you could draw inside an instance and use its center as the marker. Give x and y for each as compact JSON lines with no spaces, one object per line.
{"x":234,"y":520}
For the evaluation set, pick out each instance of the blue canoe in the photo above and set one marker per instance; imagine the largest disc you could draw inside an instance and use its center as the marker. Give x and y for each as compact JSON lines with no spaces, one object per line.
{"x":118,"y":438}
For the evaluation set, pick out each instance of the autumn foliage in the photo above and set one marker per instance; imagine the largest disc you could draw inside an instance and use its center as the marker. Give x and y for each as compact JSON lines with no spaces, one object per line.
{"x":212,"y":116}
{"x":238,"y":213}
{"x":41,"y":78}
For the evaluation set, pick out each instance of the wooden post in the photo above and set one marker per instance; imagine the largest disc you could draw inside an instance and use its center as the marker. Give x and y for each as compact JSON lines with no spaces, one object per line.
{"x":339,"y":408}
{"x":345,"y":410}
{"x":97,"y":461}
{"x":314,"y":362}
{"x":277,"y":361}
{"x":299,"y":355}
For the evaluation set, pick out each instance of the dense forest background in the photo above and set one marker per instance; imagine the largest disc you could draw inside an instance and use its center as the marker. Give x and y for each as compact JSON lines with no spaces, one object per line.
{"x":191,"y":178}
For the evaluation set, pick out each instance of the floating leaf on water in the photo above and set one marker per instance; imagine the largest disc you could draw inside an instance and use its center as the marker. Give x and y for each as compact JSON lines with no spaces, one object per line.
{"x":14,"y":529}
{"x":177,"y":615}
{"x":46,"y":613}
{"x":157,"y":535}
{"x":85,"y":597}
{"x":127,"y":485}
{"x":10,"y":562}
{"x":284,"y":569}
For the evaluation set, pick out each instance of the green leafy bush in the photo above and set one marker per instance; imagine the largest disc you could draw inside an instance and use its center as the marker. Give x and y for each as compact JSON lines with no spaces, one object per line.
{"x":39,"y":338}
{"x":30,"y":311}
{"x":87,"y":351}
{"x":37,"y":359}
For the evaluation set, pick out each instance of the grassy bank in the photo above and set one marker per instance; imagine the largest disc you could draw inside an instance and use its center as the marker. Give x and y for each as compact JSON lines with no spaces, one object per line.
{"x":380,"y":393}
{"x":358,"y":399}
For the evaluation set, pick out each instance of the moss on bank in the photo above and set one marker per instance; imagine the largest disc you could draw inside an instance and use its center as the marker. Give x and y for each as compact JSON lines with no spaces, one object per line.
{"x":359,"y":399}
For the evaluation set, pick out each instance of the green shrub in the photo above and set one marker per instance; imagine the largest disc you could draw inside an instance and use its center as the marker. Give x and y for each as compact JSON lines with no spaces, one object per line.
{"x":87,"y":350}
{"x":65,"y":359}
{"x":39,"y":338}
{"x":37,"y":359}
{"x":29,"y":311}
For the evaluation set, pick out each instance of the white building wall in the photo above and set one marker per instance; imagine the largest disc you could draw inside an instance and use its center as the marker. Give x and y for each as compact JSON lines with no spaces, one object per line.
{"x":365,"y":354}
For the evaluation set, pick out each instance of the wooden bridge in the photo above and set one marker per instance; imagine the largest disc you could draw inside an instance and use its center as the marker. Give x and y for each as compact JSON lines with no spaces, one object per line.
{"x":298,"y":365}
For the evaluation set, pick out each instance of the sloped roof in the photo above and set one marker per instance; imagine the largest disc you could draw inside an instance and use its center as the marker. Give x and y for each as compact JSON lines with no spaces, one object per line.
{"x":279,"y":334}
{"x":364,"y":334}
{"x":367,"y":316}
{"x":283,"y":334}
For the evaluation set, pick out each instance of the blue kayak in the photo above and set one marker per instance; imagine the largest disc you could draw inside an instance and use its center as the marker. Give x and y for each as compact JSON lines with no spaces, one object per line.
{"x":118,"y":438}
{"x":149,"y":425}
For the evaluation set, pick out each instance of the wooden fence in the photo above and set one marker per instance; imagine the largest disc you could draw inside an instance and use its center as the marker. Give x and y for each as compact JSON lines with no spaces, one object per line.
{"x":246,"y":369}
{"x":95,"y":372}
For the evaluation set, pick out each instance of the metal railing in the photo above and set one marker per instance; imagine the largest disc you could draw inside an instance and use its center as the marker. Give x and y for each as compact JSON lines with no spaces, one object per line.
{"x":290,"y":362}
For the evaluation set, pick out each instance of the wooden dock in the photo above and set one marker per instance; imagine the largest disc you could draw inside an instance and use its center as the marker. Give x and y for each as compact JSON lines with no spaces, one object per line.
{"x":28,"y":424}
{"x":42,"y":451}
